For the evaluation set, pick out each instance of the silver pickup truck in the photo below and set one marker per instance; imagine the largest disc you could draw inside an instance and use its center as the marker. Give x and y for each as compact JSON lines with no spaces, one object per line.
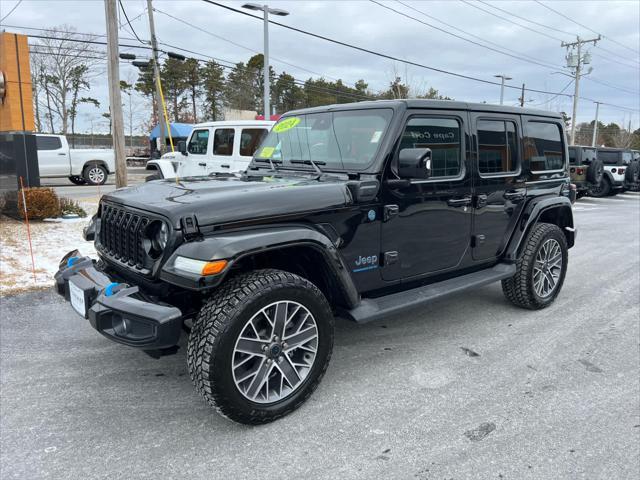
{"x":81,"y":166}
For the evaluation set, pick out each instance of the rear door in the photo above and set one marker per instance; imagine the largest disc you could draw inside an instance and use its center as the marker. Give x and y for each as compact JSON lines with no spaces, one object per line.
{"x":221,"y":159}
{"x":53,"y":156}
{"x":499,"y":189}
{"x":248,"y":142}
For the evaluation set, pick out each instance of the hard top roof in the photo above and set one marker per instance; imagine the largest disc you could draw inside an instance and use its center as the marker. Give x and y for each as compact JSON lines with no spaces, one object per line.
{"x":428,"y":104}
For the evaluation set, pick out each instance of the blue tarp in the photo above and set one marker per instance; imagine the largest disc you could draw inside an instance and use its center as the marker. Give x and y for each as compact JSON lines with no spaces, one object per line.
{"x":177,"y":130}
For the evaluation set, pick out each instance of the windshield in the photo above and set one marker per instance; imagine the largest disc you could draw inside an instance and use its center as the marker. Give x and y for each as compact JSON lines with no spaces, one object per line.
{"x":343,"y":140}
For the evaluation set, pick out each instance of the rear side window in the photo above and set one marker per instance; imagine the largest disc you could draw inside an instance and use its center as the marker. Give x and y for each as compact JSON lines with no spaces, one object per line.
{"x":543,"y":146}
{"x":442,"y":136}
{"x":198,"y":142}
{"x":497,"y":147}
{"x":250,"y":140}
{"x":48,"y":143}
{"x":223,"y":141}
{"x":608,"y":158}
{"x":573,"y":156}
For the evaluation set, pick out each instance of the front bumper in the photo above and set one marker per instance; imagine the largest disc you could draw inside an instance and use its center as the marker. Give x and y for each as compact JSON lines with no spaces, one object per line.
{"x":112,"y":308}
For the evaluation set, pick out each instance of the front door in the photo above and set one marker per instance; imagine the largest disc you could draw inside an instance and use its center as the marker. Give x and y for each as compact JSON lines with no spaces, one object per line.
{"x":198,"y":147}
{"x":499,"y":190}
{"x":427,"y":225}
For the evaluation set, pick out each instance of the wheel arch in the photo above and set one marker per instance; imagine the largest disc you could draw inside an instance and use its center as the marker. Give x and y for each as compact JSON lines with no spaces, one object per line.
{"x":556,"y":211}
{"x":98,"y":162}
{"x":296,"y":249}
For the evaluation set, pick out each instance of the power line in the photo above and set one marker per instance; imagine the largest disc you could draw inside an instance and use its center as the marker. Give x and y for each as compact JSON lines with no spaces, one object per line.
{"x":584,"y":26}
{"x":129,"y":22}
{"x":391,"y":57}
{"x":555,"y":96}
{"x":460,"y":37}
{"x":11,"y":11}
{"x":527,"y":19}
{"x":468,"y":33}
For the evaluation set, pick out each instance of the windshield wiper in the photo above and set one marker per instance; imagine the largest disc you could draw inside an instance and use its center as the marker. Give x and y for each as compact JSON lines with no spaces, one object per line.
{"x":271,"y":162}
{"x":312,"y":163}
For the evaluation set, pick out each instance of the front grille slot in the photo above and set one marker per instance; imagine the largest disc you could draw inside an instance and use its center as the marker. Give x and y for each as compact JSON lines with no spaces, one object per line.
{"x":122,"y":235}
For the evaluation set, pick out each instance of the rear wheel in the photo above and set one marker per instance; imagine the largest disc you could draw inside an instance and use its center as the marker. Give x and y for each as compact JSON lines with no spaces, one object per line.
{"x":540,"y":270}
{"x":260,"y":346}
{"x":95,"y":174}
{"x":602,"y":189}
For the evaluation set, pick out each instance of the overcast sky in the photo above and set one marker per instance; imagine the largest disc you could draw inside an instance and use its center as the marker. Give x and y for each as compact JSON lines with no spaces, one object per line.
{"x":615,"y":61}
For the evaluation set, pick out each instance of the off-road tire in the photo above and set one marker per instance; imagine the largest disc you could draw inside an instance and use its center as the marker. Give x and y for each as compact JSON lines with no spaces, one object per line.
{"x":603,"y":189}
{"x":77,"y":180}
{"x":89,"y":178}
{"x":595,"y":171}
{"x":519,"y":289}
{"x":220,"y":321}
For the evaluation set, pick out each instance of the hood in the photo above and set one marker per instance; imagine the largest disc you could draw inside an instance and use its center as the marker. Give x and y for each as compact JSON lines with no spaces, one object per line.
{"x":234,"y":198}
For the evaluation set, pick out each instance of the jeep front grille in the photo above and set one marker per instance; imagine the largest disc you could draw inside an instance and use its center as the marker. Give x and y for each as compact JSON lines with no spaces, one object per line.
{"x":122,"y":235}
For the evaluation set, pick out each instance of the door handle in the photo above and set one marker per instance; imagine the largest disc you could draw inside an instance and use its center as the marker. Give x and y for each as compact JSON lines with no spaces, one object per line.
{"x":63,"y":154}
{"x":202,"y":164}
{"x":514,"y":195}
{"x":225,"y":166}
{"x":459,"y":202}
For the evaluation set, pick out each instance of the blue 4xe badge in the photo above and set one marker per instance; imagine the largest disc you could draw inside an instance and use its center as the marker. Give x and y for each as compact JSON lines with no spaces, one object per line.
{"x":371,"y":215}
{"x":366,"y":263}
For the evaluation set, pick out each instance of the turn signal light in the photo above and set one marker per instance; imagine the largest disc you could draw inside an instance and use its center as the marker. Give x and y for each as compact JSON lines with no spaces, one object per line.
{"x":213,"y":268}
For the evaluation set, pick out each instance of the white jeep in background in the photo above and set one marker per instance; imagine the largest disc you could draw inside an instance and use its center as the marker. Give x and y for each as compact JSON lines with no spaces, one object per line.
{"x":80,"y":165}
{"x":212,"y":147}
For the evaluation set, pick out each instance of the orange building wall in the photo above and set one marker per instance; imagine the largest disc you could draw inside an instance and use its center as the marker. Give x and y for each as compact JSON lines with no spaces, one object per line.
{"x":19,"y":94}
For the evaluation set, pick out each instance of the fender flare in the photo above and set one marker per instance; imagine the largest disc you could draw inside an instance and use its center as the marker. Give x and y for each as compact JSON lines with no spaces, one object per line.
{"x":164,"y":167}
{"x":531,"y":215}
{"x":235,"y":246}
{"x":96,"y":161}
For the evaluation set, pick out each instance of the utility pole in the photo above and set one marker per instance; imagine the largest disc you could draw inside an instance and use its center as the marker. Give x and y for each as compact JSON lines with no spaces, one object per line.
{"x":115,"y":100}
{"x":503,"y":77}
{"x":595,"y":127}
{"x":156,"y":78}
{"x":522,"y":97}
{"x":576,"y":62}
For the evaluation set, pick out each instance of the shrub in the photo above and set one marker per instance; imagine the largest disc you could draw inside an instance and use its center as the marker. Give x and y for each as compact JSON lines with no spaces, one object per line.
{"x":71,"y":207}
{"x":41,"y":203}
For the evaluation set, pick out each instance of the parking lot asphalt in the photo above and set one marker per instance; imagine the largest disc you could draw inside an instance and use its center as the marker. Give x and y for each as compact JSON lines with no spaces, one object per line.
{"x":468,"y":387}
{"x":64,"y":187}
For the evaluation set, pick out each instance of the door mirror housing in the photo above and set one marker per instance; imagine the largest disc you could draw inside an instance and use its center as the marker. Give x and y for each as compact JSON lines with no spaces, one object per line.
{"x":182,"y":147}
{"x":414,"y":163}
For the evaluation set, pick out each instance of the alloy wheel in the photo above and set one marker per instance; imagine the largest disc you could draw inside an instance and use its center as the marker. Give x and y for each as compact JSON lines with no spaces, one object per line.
{"x":547,"y":268}
{"x":275,"y":352}
{"x":96,"y":175}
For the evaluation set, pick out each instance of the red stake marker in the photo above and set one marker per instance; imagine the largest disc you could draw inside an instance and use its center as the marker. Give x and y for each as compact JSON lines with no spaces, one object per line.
{"x":26,"y":217}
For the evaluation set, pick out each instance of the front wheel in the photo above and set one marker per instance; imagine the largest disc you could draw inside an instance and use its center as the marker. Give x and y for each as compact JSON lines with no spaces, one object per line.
{"x":540,"y":270}
{"x":260,"y":345}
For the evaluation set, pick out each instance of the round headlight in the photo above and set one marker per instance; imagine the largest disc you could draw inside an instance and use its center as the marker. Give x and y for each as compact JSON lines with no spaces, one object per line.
{"x":161,"y":237}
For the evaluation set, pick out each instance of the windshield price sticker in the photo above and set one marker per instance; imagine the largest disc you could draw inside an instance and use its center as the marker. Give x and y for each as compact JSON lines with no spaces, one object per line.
{"x":266,"y":152}
{"x":286,"y":124}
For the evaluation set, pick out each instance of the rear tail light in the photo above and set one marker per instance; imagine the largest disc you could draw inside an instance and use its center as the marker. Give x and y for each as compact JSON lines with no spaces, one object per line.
{"x":621,"y":170}
{"x":580,"y":171}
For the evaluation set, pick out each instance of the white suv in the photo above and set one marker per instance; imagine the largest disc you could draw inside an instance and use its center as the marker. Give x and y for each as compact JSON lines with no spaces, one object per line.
{"x":213,"y":147}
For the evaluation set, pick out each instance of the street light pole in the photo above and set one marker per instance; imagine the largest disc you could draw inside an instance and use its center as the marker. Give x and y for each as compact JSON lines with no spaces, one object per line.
{"x":266,"y":79}
{"x":503,"y":77}
{"x":594,"y":138}
{"x":265,"y":68}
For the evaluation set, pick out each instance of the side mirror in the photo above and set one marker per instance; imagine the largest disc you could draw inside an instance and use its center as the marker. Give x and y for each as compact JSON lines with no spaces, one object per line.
{"x":182,"y":147}
{"x":414,"y":163}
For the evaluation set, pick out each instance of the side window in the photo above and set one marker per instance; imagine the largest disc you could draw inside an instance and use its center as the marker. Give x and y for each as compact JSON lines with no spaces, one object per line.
{"x":198,"y":142}
{"x":48,"y":143}
{"x":250,"y":140}
{"x":573,"y":160}
{"x":497,"y":147}
{"x":543,"y":146}
{"x":223,"y":141}
{"x":442,"y":136}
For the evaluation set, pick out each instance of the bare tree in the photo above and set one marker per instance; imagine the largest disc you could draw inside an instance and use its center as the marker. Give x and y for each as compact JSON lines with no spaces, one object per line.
{"x":63,"y":64}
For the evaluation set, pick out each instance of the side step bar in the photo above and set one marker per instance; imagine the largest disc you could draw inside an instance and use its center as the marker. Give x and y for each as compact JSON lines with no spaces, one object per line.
{"x":371,"y":309}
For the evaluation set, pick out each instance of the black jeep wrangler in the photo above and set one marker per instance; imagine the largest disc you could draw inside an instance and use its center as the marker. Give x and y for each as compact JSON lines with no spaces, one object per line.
{"x":362,"y":210}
